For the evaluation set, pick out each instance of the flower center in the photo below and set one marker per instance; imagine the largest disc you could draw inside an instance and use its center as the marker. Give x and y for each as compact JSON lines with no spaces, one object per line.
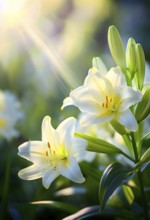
{"x":110,"y":103}
{"x":56,"y":157}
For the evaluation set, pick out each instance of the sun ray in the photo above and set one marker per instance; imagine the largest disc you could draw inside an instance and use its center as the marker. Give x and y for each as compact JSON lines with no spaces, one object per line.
{"x":64,"y":71}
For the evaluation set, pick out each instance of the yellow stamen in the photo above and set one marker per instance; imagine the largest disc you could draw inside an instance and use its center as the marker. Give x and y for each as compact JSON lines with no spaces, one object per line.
{"x":48,"y":145}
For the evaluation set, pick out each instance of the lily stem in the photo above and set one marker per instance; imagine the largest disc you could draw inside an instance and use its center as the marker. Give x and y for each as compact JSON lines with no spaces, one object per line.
{"x":126,"y":155}
{"x":140,"y":178}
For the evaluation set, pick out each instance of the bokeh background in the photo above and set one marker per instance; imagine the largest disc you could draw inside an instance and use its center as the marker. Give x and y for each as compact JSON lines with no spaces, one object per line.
{"x":46,"y":50}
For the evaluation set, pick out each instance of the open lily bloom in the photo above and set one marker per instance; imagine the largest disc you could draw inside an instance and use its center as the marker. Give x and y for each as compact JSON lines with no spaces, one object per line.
{"x":105,"y":97}
{"x":55,"y":155}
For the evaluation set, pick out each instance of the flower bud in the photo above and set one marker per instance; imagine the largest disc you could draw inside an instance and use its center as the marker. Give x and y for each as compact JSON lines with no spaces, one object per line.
{"x":131,"y":57}
{"x":143,"y":108}
{"x":140,"y":57}
{"x":116,"y":47}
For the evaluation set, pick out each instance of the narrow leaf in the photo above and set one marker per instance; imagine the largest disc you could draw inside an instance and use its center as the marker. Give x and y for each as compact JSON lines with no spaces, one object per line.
{"x":113,"y":176}
{"x":146,"y":156}
{"x":128,"y":194}
{"x":99,"y":145}
{"x":57,"y":205}
{"x":143,"y":107}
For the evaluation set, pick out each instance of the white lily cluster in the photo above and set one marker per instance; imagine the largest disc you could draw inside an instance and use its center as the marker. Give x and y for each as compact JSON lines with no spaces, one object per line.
{"x":102,"y":98}
{"x":10,"y":114}
{"x":55,"y":155}
{"x":106,"y":97}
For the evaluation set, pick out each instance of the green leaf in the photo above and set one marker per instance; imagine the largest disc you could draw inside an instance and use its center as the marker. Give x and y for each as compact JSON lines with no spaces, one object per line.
{"x":113,"y":176}
{"x":144,"y":142}
{"x":144,"y":159}
{"x":143,"y":107}
{"x":145,"y":137}
{"x":92,"y":212}
{"x":99,"y":145}
{"x":146,"y":156}
{"x":118,"y":127}
{"x":128,"y":193}
{"x":58,"y":205}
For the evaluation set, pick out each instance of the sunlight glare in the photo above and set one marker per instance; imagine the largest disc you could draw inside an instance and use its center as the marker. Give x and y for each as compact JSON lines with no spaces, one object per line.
{"x":11,"y":11}
{"x":63,"y":70}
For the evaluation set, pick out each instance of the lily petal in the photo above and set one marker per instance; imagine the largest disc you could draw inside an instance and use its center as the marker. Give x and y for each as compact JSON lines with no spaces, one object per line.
{"x":89,"y":119}
{"x":66,"y":131}
{"x":116,"y":77}
{"x":99,"y":83}
{"x":72,"y":171}
{"x":49,"y":134}
{"x":35,"y":151}
{"x":31,"y":173}
{"x":129,"y":96}
{"x":83,"y":99}
{"x":78,"y":147}
{"x":127,"y":119}
{"x":49,"y":176}
{"x":81,"y":152}
{"x":67,"y":101}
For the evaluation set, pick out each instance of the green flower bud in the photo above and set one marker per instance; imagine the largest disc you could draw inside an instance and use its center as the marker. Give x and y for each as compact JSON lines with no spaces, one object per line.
{"x":140,"y":57}
{"x":131,"y":58}
{"x":116,"y":48}
{"x":98,"y":64}
{"x":143,"y":108}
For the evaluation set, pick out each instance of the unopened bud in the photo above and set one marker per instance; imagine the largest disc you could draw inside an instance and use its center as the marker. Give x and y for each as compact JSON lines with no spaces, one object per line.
{"x":140,"y":57}
{"x":116,"y":47}
{"x":131,"y":57}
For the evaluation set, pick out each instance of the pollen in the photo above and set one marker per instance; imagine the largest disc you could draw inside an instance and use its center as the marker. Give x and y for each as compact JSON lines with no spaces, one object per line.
{"x":48,"y":144}
{"x":107,"y":102}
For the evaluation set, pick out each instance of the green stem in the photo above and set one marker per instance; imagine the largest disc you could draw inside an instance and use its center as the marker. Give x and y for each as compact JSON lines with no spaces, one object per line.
{"x":134,"y":148}
{"x":126,"y":155}
{"x":140,"y":178}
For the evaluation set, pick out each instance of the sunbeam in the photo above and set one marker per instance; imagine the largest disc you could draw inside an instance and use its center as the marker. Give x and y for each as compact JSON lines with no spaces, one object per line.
{"x":45,"y":45}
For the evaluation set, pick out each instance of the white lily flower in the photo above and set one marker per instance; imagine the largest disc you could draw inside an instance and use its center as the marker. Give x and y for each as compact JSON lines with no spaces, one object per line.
{"x":55,"y":155}
{"x":10,"y":114}
{"x":105,"y":97}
